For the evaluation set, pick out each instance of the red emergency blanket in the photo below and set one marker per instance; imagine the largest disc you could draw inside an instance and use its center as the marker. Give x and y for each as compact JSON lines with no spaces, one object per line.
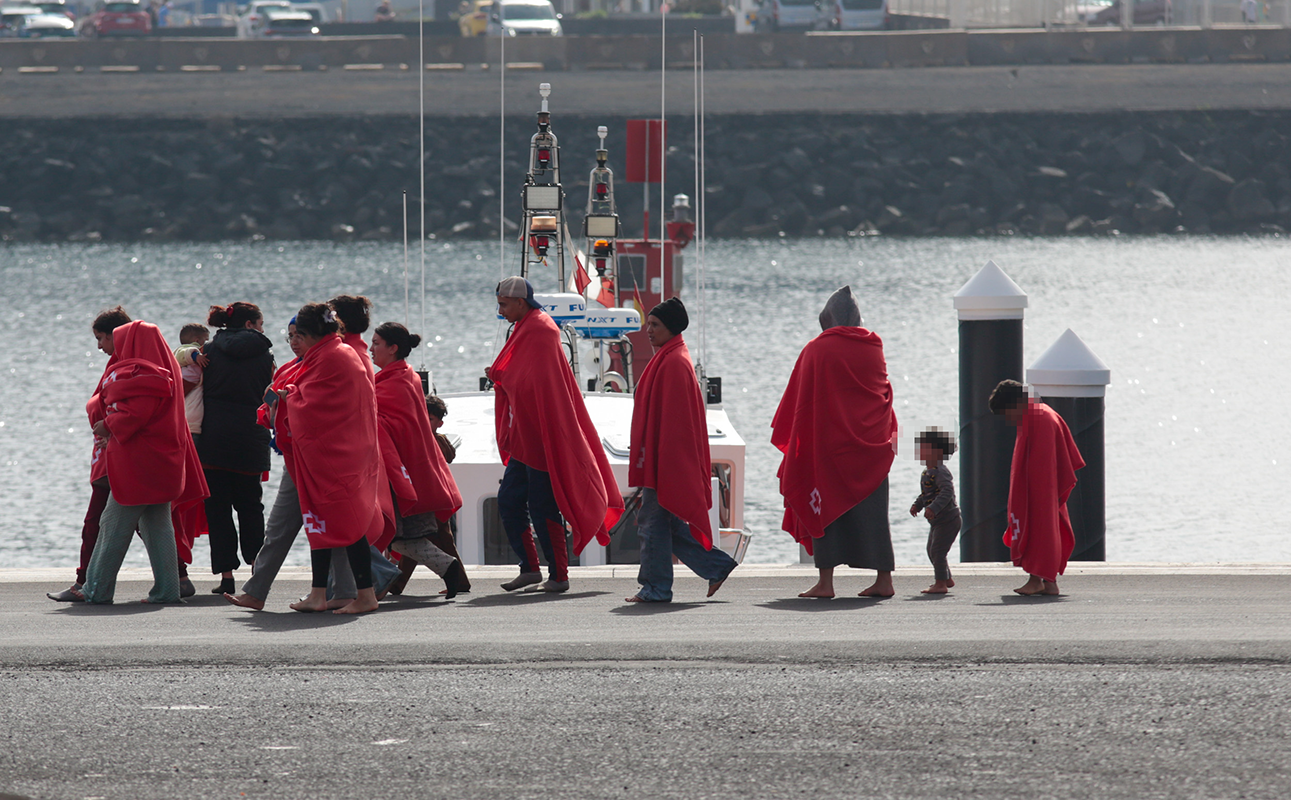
{"x":670,"y":439}
{"x":404,"y":421}
{"x":332,"y":413}
{"x":836,"y":428}
{"x":1045,"y":460}
{"x":540,"y":419}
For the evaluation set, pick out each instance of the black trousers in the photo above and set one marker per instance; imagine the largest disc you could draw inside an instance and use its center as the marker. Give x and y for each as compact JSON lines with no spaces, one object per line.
{"x":360,"y":559}
{"x":233,"y":491}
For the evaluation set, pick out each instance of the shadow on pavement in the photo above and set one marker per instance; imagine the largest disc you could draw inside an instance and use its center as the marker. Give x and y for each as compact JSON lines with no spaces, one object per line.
{"x":816,"y":604}
{"x":288,"y":620}
{"x":114,"y":609}
{"x":922,"y":597}
{"x":648,"y":609}
{"x":1025,"y":600}
{"x":519,"y":598}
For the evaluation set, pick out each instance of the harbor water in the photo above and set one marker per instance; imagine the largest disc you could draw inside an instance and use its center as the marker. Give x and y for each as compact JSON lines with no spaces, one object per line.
{"x":1193,"y":329}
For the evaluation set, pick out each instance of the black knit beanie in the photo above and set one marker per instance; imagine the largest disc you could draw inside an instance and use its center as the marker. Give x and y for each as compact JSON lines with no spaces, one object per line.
{"x":672,"y":314}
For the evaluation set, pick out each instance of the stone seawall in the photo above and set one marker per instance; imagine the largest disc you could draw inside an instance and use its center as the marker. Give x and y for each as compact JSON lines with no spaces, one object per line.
{"x":800,"y":175}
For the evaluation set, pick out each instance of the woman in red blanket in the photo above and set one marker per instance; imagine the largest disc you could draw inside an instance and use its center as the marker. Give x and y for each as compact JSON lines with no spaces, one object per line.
{"x":838,"y":432}
{"x":1045,"y":460}
{"x":152,"y":464}
{"x":409,"y":450}
{"x":338,"y":477}
{"x":555,"y":464}
{"x":670,"y":461}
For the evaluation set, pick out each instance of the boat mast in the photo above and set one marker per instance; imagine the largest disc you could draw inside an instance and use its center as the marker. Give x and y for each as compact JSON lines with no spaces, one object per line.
{"x":543,"y":224}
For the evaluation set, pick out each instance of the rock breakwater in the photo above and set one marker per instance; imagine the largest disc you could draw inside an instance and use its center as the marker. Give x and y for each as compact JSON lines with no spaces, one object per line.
{"x":805,"y":175}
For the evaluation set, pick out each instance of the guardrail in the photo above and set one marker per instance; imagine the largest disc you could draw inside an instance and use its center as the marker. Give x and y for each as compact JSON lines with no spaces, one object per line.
{"x":922,"y":48}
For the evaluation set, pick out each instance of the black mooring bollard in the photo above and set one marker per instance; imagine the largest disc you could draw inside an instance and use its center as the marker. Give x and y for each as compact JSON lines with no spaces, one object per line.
{"x":1073,"y":382}
{"x":990,"y":310}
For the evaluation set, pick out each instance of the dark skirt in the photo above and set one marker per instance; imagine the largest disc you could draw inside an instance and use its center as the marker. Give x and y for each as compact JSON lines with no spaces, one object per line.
{"x":860,"y":538}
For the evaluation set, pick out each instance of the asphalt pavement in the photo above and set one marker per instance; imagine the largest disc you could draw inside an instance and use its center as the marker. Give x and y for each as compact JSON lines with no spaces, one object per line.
{"x":256,"y":94}
{"x":1148,"y":682}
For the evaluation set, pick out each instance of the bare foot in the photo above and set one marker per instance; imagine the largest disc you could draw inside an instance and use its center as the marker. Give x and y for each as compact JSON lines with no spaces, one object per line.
{"x":634,"y":599}
{"x":339,"y":602}
{"x":310,"y":604}
{"x":365,"y":602}
{"x":1033,"y":586}
{"x":245,"y":601}
{"x":950,"y":583}
{"x":821,"y":589}
{"x":713,"y":587}
{"x":1051,"y":588}
{"x":939,"y":587}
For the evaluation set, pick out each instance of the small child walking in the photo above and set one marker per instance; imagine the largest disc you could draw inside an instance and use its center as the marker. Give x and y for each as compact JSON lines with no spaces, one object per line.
{"x":937,"y":502}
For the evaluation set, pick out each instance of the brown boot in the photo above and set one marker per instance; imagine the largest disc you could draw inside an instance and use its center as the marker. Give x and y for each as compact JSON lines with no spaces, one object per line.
{"x":406,"y":565}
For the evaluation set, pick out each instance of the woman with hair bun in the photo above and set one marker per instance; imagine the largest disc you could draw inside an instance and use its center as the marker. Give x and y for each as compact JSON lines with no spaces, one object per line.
{"x":339,"y":478}
{"x":408,"y":448}
{"x":233,"y":447}
{"x":354,"y":313}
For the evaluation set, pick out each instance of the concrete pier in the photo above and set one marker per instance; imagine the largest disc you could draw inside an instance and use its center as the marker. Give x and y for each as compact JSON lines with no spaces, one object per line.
{"x":1140,"y":681}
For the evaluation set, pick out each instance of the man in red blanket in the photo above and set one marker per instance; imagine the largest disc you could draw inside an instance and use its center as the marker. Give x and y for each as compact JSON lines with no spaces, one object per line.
{"x":1045,"y":460}
{"x":555,"y":464}
{"x":670,"y":461}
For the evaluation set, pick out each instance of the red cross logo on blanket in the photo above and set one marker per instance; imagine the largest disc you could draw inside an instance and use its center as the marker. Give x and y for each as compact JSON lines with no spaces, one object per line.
{"x":313,"y":524}
{"x":813,"y":500}
{"x":406,"y":476}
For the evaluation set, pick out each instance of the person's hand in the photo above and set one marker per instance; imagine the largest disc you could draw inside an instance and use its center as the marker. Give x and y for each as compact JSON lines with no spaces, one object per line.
{"x":101,"y":432}
{"x":282,"y":393}
{"x":201,"y":359}
{"x":928,"y":515}
{"x":914,"y":511}
{"x":488,"y":373}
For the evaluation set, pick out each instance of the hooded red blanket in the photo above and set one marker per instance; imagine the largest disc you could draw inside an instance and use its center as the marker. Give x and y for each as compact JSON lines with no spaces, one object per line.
{"x":410,"y":444}
{"x":275,"y":418}
{"x":334,"y":459}
{"x":836,"y":428}
{"x":361,"y":347}
{"x":670,"y":439}
{"x":1045,"y":460}
{"x":149,"y":455}
{"x":541,"y":420}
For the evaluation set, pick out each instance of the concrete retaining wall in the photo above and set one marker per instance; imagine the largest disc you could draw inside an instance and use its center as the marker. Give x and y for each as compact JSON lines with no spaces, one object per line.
{"x":921,"y":48}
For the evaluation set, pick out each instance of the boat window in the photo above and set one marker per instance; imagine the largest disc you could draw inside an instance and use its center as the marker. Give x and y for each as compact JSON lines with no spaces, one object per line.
{"x":632,"y":273}
{"x":862,"y":5}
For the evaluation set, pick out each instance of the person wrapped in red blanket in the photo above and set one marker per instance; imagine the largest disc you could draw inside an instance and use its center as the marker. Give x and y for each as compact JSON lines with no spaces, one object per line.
{"x":151,"y":461}
{"x":555,"y":465}
{"x":838,"y":432}
{"x":1045,"y":460}
{"x":339,"y":478}
{"x":671,"y":464}
{"x":410,"y":452}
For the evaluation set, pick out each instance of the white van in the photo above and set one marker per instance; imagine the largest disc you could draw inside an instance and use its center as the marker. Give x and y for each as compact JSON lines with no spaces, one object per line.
{"x":782,"y":15}
{"x":523,"y":18}
{"x":854,"y":15}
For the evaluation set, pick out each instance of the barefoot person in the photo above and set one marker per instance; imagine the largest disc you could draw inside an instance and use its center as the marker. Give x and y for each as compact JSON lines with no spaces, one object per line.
{"x":410,"y":453}
{"x":670,"y":461}
{"x":837,"y":430}
{"x":339,"y":477}
{"x":151,"y":462}
{"x":937,"y":502}
{"x":1045,"y":460}
{"x":555,"y":465}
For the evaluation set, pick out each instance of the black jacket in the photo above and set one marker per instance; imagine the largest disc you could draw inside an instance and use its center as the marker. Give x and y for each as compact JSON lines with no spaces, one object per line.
{"x":233,"y":387}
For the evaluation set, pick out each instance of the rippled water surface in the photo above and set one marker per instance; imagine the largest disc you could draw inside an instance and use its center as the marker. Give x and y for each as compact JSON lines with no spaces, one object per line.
{"x":1193,"y":329}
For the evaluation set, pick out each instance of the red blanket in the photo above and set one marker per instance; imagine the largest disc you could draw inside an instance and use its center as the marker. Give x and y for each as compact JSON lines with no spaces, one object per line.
{"x":275,"y":418}
{"x":334,"y":460}
{"x":540,"y":419}
{"x":404,"y":421}
{"x":360,"y":347}
{"x":836,"y":428}
{"x":94,"y":410}
{"x":1045,"y":460}
{"x":670,"y":439}
{"x":150,"y":457}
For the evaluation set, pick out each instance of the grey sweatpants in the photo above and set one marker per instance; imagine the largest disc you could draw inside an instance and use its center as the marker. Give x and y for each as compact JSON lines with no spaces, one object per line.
{"x":942,"y":534}
{"x":280,"y":533}
{"x":116,"y":529}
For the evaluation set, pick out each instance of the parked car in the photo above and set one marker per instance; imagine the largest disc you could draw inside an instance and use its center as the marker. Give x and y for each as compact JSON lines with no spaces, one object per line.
{"x":118,"y":18}
{"x":314,"y":10}
{"x":46,"y":26}
{"x":474,"y":18}
{"x":55,"y":7}
{"x":779,"y":15}
{"x":853,"y":15}
{"x":1146,"y":12}
{"x":279,"y":22}
{"x":523,"y":18}
{"x":251,"y":17}
{"x":215,"y":21}
{"x":13,"y":18}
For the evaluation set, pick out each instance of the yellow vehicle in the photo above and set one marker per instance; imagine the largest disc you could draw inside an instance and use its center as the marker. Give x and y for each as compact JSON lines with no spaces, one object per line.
{"x":473,"y":17}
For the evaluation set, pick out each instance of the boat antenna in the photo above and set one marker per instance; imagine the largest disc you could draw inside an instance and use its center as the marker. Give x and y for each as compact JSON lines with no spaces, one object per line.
{"x":421,"y":119}
{"x":406,"y":315}
{"x":502,"y":157}
{"x":703,"y":215}
{"x":663,"y":148}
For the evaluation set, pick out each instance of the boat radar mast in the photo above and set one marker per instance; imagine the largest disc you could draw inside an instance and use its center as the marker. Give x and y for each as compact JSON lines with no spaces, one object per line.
{"x":543,"y":198}
{"x":601,"y":222}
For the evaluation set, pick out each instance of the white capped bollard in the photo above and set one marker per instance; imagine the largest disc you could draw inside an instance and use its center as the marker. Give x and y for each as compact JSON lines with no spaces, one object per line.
{"x":990,"y":308}
{"x":1073,"y":381}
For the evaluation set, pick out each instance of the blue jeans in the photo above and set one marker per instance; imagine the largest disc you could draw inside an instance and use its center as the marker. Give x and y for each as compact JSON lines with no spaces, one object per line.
{"x":663,"y":534}
{"x":525,"y":498}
